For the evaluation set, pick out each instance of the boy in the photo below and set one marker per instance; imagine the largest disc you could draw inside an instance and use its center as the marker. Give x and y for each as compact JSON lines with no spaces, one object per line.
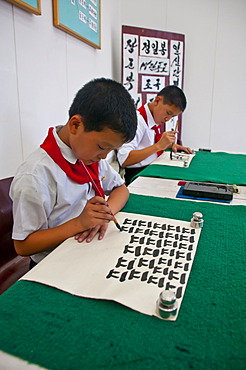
{"x":53,"y":196}
{"x":148,"y":142}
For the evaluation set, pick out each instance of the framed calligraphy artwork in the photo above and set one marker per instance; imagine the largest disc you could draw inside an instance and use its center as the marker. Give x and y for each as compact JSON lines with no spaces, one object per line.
{"x":79,"y":18}
{"x":151,"y":60}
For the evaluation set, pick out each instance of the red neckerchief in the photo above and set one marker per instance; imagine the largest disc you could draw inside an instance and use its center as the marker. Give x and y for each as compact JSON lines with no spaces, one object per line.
{"x":75,"y":171}
{"x":156,"y":128}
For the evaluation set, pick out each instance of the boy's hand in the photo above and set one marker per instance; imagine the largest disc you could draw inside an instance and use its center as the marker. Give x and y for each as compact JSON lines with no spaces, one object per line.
{"x":88,"y":235}
{"x":185,"y":149}
{"x":95,"y":213}
{"x":167,"y":140}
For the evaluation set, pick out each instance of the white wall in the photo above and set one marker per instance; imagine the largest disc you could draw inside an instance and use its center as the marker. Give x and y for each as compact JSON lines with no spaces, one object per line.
{"x":215,"y":60}
{"x":41,"y":69}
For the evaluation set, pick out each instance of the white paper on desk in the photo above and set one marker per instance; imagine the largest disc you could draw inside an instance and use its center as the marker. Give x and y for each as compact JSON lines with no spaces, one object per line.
{"x":164,"y":159}
{"x":131,"y":267}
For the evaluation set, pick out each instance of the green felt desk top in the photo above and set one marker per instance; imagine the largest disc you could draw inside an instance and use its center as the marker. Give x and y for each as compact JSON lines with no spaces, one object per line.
{"x":205,"y":166}
{"x":59,"y":331}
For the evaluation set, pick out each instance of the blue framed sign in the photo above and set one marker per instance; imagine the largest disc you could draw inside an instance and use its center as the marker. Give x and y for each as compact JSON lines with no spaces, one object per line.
{"x":32,"y":6}
{"x":79,"y":18}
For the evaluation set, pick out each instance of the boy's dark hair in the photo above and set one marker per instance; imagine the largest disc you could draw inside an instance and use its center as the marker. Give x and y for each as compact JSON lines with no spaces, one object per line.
{"x":173,"y":95}
{"x":104,"y":103}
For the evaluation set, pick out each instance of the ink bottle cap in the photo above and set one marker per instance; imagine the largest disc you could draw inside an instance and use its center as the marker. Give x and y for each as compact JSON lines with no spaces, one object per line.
{"x":167,"y":297}
{"x":197,"y":216}
{"x":197,"y":221}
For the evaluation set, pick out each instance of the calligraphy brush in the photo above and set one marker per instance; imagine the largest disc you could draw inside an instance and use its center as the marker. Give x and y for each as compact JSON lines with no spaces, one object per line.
{"x":171,"y":150}
{"x":99,"y":192}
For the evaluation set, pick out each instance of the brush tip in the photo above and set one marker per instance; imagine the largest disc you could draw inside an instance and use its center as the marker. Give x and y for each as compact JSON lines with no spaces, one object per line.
{"x":118,"y":226}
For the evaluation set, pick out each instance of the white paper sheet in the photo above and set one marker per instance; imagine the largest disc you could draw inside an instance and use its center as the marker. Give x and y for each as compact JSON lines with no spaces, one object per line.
{"x":131,"y":267}
{"x":177,"y":161}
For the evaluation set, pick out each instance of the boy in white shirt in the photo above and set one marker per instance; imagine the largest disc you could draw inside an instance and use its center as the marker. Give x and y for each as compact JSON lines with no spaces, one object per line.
{"x":148,"y":143}
{"x":53,"y":196}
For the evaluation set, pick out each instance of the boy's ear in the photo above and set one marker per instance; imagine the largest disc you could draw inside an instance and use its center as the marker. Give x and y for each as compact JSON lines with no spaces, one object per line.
{"x":75,"y":123}
{"x":158,"y":99}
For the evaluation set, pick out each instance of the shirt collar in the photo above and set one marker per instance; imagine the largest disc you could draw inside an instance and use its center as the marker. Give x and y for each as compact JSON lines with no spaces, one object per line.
{"x":65,"y":150}
{"x":150,"y":118}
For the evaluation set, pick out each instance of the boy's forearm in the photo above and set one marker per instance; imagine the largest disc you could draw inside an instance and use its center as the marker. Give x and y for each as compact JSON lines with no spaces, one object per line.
{"x":118,"y":198}
{"x":47,"y":239}
{"x":43,"y":240}
{"x":136,"y":156}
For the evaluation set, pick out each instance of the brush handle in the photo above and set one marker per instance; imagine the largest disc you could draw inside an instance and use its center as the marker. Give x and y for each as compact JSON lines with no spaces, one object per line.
{"x":98,"y":190}
{"x":93,"y":182}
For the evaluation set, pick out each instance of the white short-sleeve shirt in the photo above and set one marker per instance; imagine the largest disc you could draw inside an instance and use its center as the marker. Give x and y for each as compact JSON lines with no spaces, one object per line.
{"x":44,"y":196}
{"x":144,"y":137}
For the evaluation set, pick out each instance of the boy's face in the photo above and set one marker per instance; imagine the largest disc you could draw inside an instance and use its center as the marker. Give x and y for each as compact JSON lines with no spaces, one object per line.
{"x":91,"y":146}
{"x":163,"y":112}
